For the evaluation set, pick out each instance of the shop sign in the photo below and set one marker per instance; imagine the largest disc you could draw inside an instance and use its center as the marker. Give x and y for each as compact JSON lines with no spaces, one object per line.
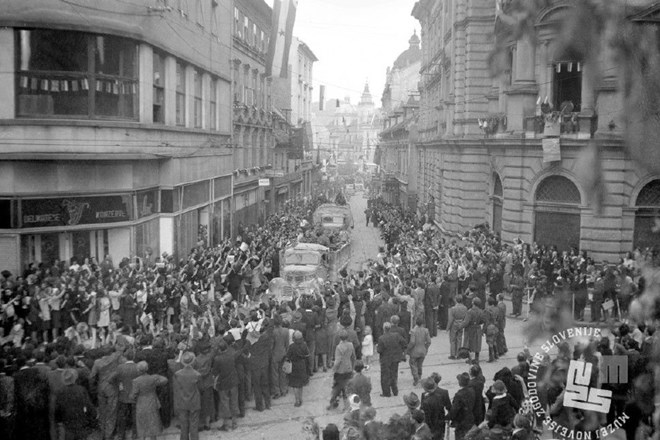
{"x":71,"y":211}
{"x":264,"y":182}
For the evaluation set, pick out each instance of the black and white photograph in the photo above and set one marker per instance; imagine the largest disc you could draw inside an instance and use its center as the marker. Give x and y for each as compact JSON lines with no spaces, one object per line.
{"x":329,"y":219}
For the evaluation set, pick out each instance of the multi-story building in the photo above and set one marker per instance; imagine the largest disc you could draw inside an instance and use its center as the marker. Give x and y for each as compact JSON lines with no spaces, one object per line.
{"x":488,"y":153}
{"x":400,"y":117}
{"x":293,"y":159}
{"x":353,"y":129}
{"x":402,"y":79}
{"x":253,"y":109}
{"x":115,"y":129}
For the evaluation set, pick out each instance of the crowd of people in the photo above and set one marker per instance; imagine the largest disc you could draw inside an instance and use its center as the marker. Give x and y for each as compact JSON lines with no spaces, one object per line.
{"x":131,"y":348}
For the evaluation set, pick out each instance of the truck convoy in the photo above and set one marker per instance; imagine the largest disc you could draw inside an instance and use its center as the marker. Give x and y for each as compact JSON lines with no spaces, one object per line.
{"x":305,"y":265}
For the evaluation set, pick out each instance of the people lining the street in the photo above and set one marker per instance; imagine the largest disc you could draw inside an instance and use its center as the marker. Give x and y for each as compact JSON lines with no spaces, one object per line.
{"x":151,"y":340}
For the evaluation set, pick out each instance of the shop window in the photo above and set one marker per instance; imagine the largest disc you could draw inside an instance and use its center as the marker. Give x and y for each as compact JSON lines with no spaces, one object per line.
{"x":180,"y":94}
{"x":567,"y":85}
{"x":75,"y":74}
{"x":197,"y":91}
{"x":159,"y":88}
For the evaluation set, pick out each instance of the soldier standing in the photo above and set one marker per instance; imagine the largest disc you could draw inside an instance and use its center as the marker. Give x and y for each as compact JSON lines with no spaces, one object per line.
{"x":457,"y":315}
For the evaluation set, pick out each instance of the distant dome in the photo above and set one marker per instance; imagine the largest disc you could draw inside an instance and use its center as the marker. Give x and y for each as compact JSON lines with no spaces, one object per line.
{"x":410,"y":56}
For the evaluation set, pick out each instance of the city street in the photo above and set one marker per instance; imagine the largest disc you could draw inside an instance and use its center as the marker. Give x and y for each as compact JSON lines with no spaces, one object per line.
{"x":285,"y":420}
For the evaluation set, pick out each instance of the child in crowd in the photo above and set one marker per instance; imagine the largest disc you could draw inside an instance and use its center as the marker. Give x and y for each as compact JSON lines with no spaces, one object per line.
{"x":367,"y":347}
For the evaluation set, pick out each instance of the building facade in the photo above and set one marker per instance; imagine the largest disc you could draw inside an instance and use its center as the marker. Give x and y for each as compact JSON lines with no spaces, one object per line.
{"x":397,"y":153}
{"x":253,"y":110}
{"x":506,"y":150}
{"x":293,"y":159}
{"x":115,"y":135}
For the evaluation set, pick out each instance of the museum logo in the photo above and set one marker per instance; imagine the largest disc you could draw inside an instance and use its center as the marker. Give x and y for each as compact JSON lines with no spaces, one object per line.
{"x":579,"y":392}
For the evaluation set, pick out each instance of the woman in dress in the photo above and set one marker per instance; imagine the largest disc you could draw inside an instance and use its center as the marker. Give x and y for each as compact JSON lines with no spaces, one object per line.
{"x":103,"y":306}
{"x":299,"y":356}
{"x":91,"y":311}
{"x":147,"y":405}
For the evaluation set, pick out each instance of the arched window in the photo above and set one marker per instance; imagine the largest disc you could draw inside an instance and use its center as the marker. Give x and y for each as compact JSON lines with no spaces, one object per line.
{"x":648,"y":205}
{"x":557,"y":213}
{"x":498,"y":200}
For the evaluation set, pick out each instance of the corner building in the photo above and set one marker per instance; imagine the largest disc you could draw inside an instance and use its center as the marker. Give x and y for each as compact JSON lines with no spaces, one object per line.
{"x":115,"y":127}
{"x":487,"y":154}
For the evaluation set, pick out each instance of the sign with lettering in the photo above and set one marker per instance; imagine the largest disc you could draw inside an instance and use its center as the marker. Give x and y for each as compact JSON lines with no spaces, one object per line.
{"x":71,"y":211}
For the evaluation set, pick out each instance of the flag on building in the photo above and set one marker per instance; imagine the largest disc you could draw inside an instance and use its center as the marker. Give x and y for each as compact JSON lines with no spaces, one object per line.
{"x":284,"y":16}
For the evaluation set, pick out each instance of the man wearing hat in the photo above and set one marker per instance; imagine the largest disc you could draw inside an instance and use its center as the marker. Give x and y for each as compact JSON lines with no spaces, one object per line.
{"x":412,"y":402}
{"x":503,"y":407}
{"x":461,"y":413}
{"x":436,"y":406}
{"x":187,"y":401}
{"x":73,"y":408}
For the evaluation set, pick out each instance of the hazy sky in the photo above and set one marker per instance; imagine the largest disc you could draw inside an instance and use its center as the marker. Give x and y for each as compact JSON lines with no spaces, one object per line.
{"x":355,"y":41}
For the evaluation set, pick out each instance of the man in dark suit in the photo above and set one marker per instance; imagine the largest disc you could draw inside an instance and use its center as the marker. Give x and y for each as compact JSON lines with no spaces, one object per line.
{"x":187,"y":401}
{"x":31,"y":400}
{"x":259,"y":365}
{"x":431,"y":304}
{"x":104,"y":371}
{"x":461,"y":413}
{"x":390,"y":348}
{"x":383,"y":314}
{"x":73,"y":408}
{"x":126,"y":372}
{"x":436,"y":406}
{"x":405,"y":319}
{"x":226,"y":385}
{"x":443,"y":305}
{"x":396,"y":328}
{"x":55,"y":384}
{"x":360,"y":384}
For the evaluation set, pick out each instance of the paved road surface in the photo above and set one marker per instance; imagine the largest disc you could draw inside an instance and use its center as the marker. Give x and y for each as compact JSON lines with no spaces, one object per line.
{"x":365,"y":240}
{"x":284,"y":420}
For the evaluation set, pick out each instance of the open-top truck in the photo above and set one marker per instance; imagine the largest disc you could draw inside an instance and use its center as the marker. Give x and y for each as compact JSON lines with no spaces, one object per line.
{"x":333,"y":217}
{"x":307,"y":262}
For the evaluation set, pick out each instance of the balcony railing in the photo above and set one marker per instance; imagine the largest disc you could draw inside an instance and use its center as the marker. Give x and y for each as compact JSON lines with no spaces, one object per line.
{"x":560,"y":124}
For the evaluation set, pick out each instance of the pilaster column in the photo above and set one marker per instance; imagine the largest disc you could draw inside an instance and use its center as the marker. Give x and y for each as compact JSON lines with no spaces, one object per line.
{"x":524,"y":91}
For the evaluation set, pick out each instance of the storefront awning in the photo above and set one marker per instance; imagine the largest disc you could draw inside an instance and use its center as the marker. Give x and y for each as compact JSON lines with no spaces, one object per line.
{"x":283,"y":190}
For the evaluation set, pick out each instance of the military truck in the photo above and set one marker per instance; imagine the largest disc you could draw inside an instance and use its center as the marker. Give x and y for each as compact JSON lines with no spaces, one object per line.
{"x":333,"y":217}
{"x":305,"y":263}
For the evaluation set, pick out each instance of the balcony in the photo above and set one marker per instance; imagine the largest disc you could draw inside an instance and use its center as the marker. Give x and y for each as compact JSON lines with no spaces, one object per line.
{"x":493,"y":124}
{"x":564,"y":125}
